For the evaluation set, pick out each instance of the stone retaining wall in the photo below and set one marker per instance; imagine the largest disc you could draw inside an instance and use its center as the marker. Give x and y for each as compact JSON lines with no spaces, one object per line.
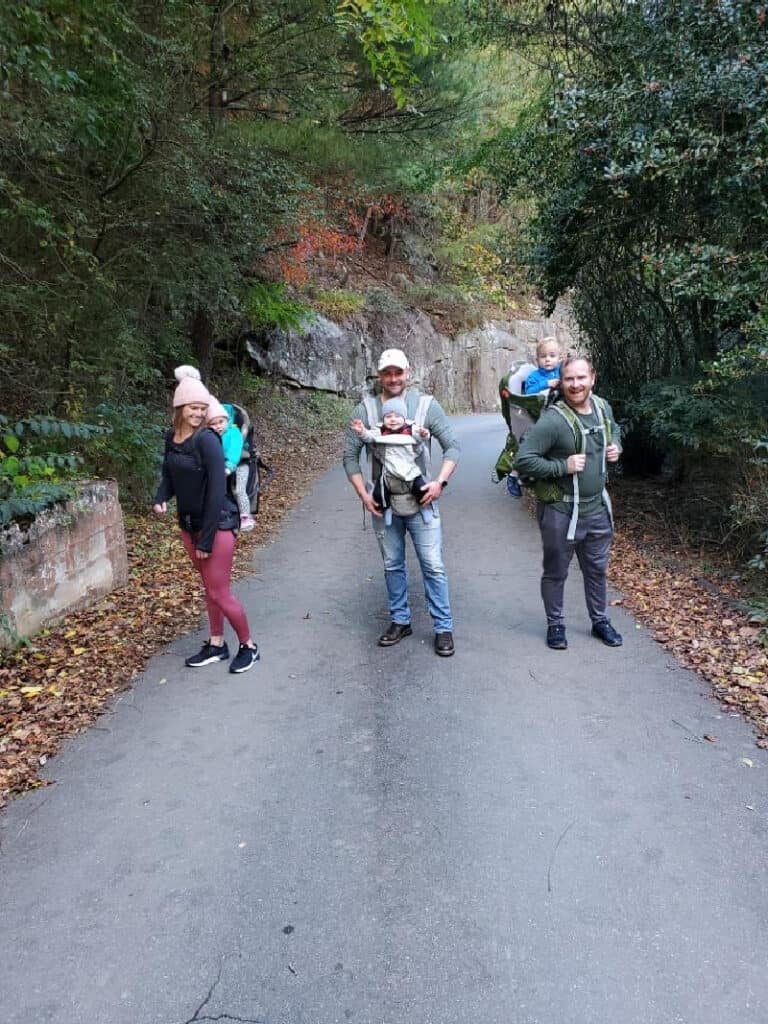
{"x":69,"y":557}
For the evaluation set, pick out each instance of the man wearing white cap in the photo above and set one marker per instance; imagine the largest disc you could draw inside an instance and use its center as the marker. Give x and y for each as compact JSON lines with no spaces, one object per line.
{"x":425,"y":531}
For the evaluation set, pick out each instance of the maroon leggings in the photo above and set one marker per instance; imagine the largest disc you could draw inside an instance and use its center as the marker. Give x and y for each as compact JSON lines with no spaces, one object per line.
{"x":216,"y":571}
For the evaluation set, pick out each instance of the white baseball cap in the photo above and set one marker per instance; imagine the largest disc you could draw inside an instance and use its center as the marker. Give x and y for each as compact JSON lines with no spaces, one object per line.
{"x":393,"y":357}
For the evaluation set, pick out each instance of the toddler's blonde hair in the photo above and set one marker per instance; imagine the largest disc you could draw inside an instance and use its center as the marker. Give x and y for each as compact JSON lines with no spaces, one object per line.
{"x":550,"y":340}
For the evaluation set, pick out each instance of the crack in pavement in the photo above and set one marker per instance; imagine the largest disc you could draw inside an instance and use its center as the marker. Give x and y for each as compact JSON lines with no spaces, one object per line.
{"x":196,"y":1018}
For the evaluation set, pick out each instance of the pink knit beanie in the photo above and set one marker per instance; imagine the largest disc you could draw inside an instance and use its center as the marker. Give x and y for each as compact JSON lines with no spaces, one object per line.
{"x":215,"y":410}
{"x":191,"y":389}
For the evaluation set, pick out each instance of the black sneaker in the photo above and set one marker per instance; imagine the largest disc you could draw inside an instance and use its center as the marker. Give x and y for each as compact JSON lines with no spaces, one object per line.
{"x":245,"y":658}
{"x":556,"y":638}
{"x":604,"y":631}
{"x":207,"y":654}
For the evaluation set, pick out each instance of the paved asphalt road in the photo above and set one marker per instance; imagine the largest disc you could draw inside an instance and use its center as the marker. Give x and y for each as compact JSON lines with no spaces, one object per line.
{"x":348,"y":834}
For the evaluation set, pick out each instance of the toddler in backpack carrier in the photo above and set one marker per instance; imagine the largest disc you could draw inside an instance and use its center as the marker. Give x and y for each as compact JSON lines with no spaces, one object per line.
{"x":233,"y":425}
{"x":397,"y":443}
{"x":525,"y":392}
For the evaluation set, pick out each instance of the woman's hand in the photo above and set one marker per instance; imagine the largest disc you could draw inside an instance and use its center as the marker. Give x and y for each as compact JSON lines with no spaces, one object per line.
{"x":160,"y":509}
{"x":202,"y":554}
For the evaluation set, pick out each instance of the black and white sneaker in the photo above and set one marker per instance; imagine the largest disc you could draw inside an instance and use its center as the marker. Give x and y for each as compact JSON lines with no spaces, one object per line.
{"x":245,"y":658}
{"x":207,"y":654}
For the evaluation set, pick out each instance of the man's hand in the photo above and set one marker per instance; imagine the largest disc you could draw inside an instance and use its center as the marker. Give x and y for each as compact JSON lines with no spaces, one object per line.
{"x":431,"y":492}
{"x":423,"y":433}
{"x":358,"y":426}
{"x":576,"y":463}
{"x":160,"y":509}
{"x":370,"y":504}
{"x":612,"y":453}
{"x":554,"y":383}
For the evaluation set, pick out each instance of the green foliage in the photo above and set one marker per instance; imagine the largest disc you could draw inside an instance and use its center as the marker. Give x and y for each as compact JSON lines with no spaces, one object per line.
{"x":320,"y":410}
{"x":391,"y":35}
{"x":642,"y":157}
{"x":268,"y":305}
{"x":130,"y":449}
{"x":37,"y":467}
{"x":338,"y":304}
{"x":687,"y":421}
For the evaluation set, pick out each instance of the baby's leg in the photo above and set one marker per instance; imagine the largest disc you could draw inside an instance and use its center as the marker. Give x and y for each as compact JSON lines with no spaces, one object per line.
{"x":241,"y":494}
{"x":417,"y":486}
{"x":378,"y":493}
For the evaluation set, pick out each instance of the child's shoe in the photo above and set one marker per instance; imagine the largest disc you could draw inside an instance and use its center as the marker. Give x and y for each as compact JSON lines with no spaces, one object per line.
{"x":247,"y":523}
{"x":513,"y":486}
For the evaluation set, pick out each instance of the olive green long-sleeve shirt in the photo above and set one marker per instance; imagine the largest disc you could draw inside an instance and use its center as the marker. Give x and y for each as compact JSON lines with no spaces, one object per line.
{"x":544,"y":454}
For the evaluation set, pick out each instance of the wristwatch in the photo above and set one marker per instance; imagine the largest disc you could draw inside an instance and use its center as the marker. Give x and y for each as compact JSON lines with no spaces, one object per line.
{"x":443,"y":483}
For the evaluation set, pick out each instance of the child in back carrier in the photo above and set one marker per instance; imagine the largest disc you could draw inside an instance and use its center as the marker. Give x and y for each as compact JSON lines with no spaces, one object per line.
{"x":398,"y":444}
{"x":545,"y":377}
{"x":221,"y":419}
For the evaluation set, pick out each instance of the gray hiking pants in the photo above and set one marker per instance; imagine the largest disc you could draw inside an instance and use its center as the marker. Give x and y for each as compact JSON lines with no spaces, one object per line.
{"x":592,"y":545}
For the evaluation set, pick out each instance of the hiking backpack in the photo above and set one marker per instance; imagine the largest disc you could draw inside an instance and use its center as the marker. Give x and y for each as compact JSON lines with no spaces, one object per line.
{"x":259,"y":473}
{"x":549,"y":491}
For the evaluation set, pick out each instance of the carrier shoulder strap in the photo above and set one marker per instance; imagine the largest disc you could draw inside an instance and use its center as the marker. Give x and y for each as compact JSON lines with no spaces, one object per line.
{"x":580,"y":440}
{"x":369,"y":402}
{"x":419,"y":420}
{"x":421,"y":410}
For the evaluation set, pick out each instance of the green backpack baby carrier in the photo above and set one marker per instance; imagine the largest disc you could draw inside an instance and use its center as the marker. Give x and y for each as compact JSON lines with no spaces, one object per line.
{"x":520,"y":412}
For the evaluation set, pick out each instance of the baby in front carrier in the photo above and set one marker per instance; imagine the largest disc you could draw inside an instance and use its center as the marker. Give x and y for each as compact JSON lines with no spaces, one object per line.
{"x":397,"y":444}
{"x":221,"y":419}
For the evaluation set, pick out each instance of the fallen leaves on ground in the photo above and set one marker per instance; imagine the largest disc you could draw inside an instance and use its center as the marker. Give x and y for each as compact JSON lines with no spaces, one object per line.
{"x":68,"y":674}
{"x":695,"y":616}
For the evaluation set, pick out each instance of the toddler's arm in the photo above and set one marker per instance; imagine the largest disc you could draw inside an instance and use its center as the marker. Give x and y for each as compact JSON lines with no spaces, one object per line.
{"x":360,"y":429}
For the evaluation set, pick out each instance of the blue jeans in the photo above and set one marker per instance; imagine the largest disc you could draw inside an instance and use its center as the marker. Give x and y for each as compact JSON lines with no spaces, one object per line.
{"x":427,"y":542}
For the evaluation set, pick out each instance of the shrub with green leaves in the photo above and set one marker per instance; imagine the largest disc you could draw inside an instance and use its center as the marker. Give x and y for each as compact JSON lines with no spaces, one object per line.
{"x":269,"y":305}
{"x":37,"y":466}
{"x":129,"y":451}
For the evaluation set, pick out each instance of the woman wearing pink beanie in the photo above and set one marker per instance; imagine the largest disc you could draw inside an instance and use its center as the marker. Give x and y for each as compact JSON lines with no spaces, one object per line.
{"x":193,"y":473}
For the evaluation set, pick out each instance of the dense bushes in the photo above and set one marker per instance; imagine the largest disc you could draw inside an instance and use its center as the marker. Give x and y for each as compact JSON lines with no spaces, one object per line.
{"x":647,"y":168}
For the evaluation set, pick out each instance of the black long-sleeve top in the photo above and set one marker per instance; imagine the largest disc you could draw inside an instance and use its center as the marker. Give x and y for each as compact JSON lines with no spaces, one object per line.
{"x":193,"y":473}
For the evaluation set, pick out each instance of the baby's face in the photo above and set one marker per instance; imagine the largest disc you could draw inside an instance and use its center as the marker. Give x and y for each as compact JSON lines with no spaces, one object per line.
{"x":219,"y":424}
{"x":548,"y":357}
{"x":393,"y":420}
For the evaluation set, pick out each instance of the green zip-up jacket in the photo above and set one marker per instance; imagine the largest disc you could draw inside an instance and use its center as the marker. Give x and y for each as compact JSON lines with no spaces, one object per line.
{"x":545,"y":449}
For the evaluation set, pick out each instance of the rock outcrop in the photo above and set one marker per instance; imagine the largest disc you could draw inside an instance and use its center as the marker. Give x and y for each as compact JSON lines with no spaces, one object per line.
{"x":464,"y":370}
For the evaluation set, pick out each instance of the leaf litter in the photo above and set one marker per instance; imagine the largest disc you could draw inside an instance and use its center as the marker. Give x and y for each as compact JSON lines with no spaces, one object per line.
{"x":67,"y":675}
{"x":693,"y":613}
